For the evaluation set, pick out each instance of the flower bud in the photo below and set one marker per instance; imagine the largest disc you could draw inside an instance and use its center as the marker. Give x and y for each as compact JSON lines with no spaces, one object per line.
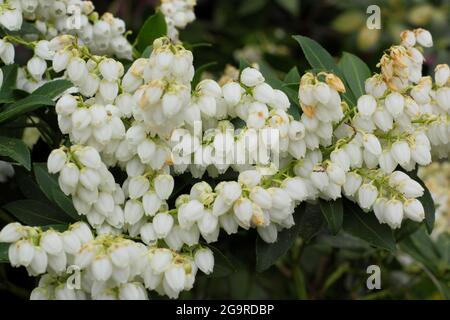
{"x":366,"y":105}
{"x":232,"y":93}
{"x":36,"y":67}
{"x":261,"y":197}
{"x":175,"y":277}
{"x":51,"y":242}
{"x":204,"y":259}
{"x":138,"y":186}
{"x":414,"y":210}
{"x":424,"y":37}
{"x":251,"y":77}
{"x":394,"y":103}
{"x":352,"y":183}
{"x":393,"y":214}
{"x":162,"y":223}
{"x":132,"y":291}
{"x":336,"y":174}
{"x":133,"y":211}
{"x":11,"y":232}
{"x":163,"y":184}
{"x":160,"y":260}
{"x":367,"y":194}
{"x":268,"y":234}
{"x":89,"y":157}
{"x":442,"y":74}
{"x":372,"y":144}
{"x":101,"y":268}
{"x":320,"y":179}
{"x":401,"y":152}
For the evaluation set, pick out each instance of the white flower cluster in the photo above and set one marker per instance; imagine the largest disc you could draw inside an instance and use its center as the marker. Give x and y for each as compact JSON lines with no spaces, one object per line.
{"x":144,"y":121}
{"x":178,"y":14}
{"x":94,"y":192}
{"x":41,"y":251}
{"x":321,"y":105}
{"x":103,"y":35}
{"x":108,"y":266}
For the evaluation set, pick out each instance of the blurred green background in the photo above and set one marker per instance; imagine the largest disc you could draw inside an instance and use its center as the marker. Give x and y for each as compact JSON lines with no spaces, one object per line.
{"x":326,"y":266}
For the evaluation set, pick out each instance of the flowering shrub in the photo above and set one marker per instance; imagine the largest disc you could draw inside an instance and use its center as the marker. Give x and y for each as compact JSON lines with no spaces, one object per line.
{"x":155,"y":162}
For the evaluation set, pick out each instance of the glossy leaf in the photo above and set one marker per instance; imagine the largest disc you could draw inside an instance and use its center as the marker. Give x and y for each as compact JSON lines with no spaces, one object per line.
{"x":355,"y":72}
{"x":49,"y":185}
{"x":25,"y":105}
{"x":365,"y":225}
{"x":333,"y":213}
{"x":15,"y":149}
{"x":153,"y":28}
{"x":268,"y":253}
{"x":35,"y":213}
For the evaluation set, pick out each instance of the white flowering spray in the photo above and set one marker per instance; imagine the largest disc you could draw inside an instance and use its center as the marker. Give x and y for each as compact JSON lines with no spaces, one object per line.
{"x":144,"y":121}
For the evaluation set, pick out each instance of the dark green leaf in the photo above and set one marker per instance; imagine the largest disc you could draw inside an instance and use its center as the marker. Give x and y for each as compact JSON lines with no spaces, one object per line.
{"x":365,"y":225}
{"x":25,"y":105}
{"x":249,"y":7}
{"x":147,"y":52}
{"x":49,"y":185}
{"x":428,"y":205}
{"x":28,"y":186}
{"x":199,"y":72}
{"x":35,"y":213}
{"x":65,"y":203}
{"x":222,"y":265}
{"x":311,"y":222}
{"x":268,"y":253}
{"x":243,"y":64}
{"x":9,"y":77}
{"x":292,"y":6}
{"x":53,"y":88}
{"x":333,"y":213}
{"x":317,"y":56}
{"x":293,"y":76}
{"x":320,"y":59}
{"x":4,"y":252}
{"x":408,"y":228}
{"x":15,"y":149}
{"x":154,"y":28}
{"x":56,"y":227}
{"x":355,"y":72}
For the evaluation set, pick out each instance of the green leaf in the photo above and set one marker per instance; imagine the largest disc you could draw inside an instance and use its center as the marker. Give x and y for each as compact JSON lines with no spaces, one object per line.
{"x":154,"y":27}
{"x":317,"y":56}
{"x":320,"y":59}
{"x":355,"y":72}
{"x":293,"y":76}
{"x":249,"y":7}
{"x":49,"y":185}
{"x":147,"y":52}
{"x":311,"y":222}
{"x":28,"y":186}
{"x":222,"y":265}
{"x":292,"y":6}
{"x":333,"y":213}
{"x":53,"y":88}
{"x":28,"y":104}
{"x":428,"y":205}
{"x":15,"y":149}
{"x":268,"y":253}
{"x":9,"y":77}
{"x":422,"y":249}
{"x":365,"y":225}
{"x":243,"y":64}
{"x":4,"y":252}
{"x":199,"y":72}
{"x":35,"y":213}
